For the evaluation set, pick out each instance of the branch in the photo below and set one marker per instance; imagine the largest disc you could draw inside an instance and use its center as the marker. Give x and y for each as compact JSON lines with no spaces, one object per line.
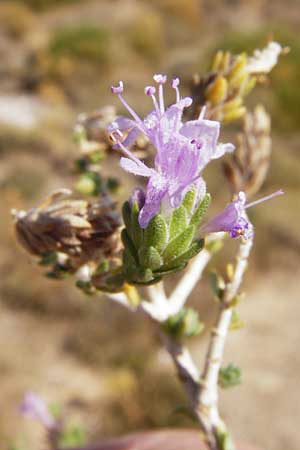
{"x":208,"y":394}
{"x":186,"y":368}
{"x":189,"y":280}
{"x":122,"y":299}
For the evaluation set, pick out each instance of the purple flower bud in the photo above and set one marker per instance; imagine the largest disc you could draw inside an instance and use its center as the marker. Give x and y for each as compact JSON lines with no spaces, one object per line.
{"x":137,"y":196}
{"x":34,"y":406}
{"x":117,"y":89}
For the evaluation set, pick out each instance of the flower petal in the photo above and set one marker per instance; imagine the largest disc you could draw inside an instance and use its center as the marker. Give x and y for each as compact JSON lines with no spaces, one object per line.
{"x":222,"y":149}
{"x":136,"y":168}
{"x":156,"y":190}
{"x":207,"y":130}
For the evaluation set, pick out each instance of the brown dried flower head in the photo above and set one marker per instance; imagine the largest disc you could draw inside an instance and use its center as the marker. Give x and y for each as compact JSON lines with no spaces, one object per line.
{"x":85,"y":231}
{"x":249,"y":164}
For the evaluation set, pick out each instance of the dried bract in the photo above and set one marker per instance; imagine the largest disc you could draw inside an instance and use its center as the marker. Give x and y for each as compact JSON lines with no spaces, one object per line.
{"x":248,"y":166}
{"x":82,"y":230}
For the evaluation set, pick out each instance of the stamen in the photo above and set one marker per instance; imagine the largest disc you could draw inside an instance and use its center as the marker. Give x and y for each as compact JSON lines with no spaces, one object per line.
{"x":129,"y":154}
{"x":160,"y":79}
{"x":175,"y":83}
{"x":202,"y":113}
{"x":117,"y":89}
{"x":150,"y":91}
{"x":263,"y":199}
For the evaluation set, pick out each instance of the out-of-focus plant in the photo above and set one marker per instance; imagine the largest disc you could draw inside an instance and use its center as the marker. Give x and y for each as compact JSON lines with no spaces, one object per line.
{"x":85,"y":42}
{"x":283,"y":99}
{"x":41,"y":5}
{"x":146,"y":36}
{"x":60,"y":433}
{"x":165,"y":229}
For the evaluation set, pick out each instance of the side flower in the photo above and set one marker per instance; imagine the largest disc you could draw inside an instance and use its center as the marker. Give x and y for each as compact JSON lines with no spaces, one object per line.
{"x":233,"y":219}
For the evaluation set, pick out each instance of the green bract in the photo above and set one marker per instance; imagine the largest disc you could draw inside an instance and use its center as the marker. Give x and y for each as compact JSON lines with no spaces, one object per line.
{"x":165,"y":246}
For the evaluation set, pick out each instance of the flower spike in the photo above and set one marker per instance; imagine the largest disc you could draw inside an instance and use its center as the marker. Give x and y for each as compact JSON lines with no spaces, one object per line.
{"x":183,"y":149}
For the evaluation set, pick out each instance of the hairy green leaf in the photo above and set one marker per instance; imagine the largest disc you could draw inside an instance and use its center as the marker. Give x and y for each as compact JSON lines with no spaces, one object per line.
{"x":179,"y":244}
{"x":201,"y":210}
{"x":156,"y":234}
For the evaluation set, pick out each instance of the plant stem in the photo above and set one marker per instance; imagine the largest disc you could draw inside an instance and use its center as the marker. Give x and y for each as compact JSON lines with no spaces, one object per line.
{"x":208,"y":393}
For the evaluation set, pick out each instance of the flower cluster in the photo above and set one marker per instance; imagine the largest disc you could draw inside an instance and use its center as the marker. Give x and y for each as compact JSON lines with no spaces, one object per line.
{"x":183,"y":149}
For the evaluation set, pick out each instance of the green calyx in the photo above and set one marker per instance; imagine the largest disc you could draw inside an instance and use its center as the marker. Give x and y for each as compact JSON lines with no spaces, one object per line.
{"x":165,"y":246}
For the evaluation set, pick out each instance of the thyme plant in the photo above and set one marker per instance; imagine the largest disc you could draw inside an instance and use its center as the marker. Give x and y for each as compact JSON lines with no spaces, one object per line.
{"x":165,"y":226}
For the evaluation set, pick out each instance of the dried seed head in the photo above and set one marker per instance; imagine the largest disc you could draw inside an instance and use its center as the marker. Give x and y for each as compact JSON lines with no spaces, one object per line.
{"x":83,"y":230}
{"x":248,"y":166}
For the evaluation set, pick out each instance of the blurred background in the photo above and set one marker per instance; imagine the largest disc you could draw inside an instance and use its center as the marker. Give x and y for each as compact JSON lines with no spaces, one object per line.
{"x":96,"y":360}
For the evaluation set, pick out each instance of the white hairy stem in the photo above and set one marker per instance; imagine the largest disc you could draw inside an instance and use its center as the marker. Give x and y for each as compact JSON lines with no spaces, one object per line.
{"x":193,"y":274}
{"x":189,"y":280}
{"x":208,"y":393}
{"x":187,"y":370}
{"x":120,"y":298}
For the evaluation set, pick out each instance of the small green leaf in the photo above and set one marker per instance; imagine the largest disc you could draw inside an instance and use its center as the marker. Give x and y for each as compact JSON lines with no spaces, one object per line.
{"x":48,"y":259}
{"x":201,"y":210}
{"x":179,"y":245}
{"x":230,"y":376}
{"x":163,"y":272}
{"x":192,"y":324}
{"x":136,"y":231}
{"x":145,"y":276}
{"x":128,"y":244}
{"x":185,"y":323}
{"x":126,"y":213}
{"x":178,"y":221}
{"x":215,"y":245}
{"x":156,"y":234}
{"x":224,"y":440}
{"x":236,"y":323}
{"x":189,"y":199}
{"x":192,"y":251}
{"x":149,"y":257}
{"x":73,"y":436}
{"x":217,"y":284}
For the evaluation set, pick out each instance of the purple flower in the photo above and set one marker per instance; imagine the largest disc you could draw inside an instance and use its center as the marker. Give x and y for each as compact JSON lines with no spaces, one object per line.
{"x":233,"y":219}
{"x":34,"y":406}
{"x":183,"y":149}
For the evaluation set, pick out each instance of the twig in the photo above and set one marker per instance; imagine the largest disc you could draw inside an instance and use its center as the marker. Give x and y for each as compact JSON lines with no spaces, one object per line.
{"x":186,"y":368}
{"x":189,"y":280}
{"x":193,"y":274}
{"x":120,"y":298}
{"x":208,"y":394}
